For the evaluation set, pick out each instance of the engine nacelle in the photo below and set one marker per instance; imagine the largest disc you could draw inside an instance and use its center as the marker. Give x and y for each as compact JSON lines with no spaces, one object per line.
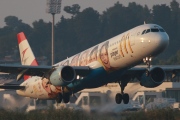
{"x":155,"y":78}
{"x":62,"y":76}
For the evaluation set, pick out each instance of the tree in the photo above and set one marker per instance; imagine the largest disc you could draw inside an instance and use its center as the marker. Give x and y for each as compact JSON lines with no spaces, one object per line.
{"x":113,"y":21}
{"x":175,"y":17}
{"x":12,"y":21}
{"x":175,"y":23}
{"x":162,"y":16}
{"x":8,"y":34}
{"x":86,"y":26}
{"x":65,"y":39}
{"x":40,"y":38}
{"x":16,"y":25}
{"x":74,"y":9}
{"x":118,"y":18}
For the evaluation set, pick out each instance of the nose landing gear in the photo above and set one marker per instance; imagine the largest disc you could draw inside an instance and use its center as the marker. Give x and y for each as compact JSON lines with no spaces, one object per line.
{"x":147,"y":61}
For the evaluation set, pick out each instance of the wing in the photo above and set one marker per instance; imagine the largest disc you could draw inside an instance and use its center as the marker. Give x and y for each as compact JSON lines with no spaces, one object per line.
{"x":137,"y":71}
{"x":39,"y":70}
{"x":28,"y":70}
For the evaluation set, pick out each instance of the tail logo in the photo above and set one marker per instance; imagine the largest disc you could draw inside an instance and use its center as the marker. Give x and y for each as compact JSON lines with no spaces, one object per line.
{"x":23,"y":53}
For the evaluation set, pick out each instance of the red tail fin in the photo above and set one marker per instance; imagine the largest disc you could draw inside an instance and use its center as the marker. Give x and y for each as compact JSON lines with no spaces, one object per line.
{"x":27,"y":56}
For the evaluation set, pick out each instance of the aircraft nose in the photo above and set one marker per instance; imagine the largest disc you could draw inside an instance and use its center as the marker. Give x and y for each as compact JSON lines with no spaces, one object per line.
{"x":161,"y":41}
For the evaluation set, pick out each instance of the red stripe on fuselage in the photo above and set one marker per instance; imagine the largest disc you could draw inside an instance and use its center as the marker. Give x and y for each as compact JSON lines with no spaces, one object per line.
{"x":21,"y":37}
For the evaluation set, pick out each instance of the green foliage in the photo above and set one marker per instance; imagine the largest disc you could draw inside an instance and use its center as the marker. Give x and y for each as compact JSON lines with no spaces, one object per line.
{"x":52,"y":114}
{"x":154,"y":114}
{"x":173,"y":60}
{"x":70,"y":114}
{"x":40,"y":38}
{"x":72,"y":10}
{"x":86,"y":26}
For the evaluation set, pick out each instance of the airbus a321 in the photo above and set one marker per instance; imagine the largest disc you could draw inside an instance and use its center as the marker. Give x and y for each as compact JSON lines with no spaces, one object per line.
{"x":114,"y":60}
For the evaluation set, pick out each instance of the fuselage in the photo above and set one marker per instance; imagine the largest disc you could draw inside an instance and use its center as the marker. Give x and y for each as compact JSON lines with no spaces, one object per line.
{"x":125,"y":49}
{"x":109,"y":59}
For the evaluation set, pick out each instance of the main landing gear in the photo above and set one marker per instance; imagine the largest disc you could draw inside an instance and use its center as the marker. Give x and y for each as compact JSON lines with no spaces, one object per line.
{"x":59,"y":98}
{"x":122,"y":96}
{"x":63,"y":96}
{"x":147,"y":61}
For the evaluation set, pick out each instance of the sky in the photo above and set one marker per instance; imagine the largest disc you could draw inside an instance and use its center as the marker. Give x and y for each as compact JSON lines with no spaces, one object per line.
{"x":31,"y":10}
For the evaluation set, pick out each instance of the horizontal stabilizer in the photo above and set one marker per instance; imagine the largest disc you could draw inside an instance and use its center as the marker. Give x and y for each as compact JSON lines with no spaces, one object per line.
{"x":12,"y":87}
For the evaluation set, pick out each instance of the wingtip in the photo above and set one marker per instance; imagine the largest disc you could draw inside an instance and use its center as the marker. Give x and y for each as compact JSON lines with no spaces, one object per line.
{"x":21,"y":37}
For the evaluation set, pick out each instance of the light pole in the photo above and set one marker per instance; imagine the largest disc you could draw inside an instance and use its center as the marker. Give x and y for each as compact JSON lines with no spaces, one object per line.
{"x":53,"y":7}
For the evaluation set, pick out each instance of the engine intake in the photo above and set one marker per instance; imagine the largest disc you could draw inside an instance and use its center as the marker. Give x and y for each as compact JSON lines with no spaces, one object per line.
{"x":62,"y":76}
{"x":155,"y":78}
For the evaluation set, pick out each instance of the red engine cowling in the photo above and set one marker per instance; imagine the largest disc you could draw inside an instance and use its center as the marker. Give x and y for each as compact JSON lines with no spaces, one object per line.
{"x":155,"y":78}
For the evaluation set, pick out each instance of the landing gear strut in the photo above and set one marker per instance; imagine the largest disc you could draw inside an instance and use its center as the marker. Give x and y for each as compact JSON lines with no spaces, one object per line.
{"x":147,"y":61}
{"x":66,"y":97}
{"x":59,"y":98}
{"x":63,"y":96}
{"x":122,"y":96}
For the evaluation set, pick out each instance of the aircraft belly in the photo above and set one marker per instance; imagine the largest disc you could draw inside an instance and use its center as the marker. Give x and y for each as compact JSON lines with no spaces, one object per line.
{"x":96,"y":78}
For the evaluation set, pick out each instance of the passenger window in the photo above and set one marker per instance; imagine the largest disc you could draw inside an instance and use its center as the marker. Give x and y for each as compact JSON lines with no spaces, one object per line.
{"x":154,"y":30}
{"x":161,"y":30}
{"x":148,"y":30}
{"x":143,"y":32}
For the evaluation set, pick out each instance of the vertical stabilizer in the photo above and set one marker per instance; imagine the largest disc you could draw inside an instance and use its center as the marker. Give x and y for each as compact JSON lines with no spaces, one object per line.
{"x":26,"y":54}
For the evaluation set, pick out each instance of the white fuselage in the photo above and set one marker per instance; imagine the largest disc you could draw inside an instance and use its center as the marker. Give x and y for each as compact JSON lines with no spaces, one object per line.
{"x":122,"y":51}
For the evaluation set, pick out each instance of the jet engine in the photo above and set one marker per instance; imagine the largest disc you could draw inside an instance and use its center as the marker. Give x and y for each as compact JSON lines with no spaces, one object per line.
{"x":62,"y":76}
{"x":155,"y":78}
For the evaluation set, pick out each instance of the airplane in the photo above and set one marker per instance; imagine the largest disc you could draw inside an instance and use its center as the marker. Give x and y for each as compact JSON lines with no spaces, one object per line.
{"x":114,"y":60}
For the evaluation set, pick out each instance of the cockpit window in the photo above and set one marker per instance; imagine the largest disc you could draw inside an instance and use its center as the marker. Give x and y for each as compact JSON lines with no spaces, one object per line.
{"x":161,"y":30}
{"x":154,"y":30}
{"x":148,"y":30}
{"x":143,"y":32}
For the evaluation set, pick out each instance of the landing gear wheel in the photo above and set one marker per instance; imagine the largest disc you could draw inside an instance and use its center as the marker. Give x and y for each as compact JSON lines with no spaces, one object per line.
{"x":118,"y":98}
{"x":125,"y":98}
{"x":59,"y":98}
{"x":66,"y":98}
{"x":122,"y":96}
